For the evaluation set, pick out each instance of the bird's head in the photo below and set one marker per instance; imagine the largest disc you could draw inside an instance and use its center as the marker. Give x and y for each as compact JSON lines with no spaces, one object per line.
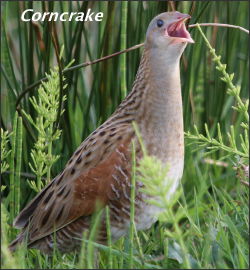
{"x":167,"y":31}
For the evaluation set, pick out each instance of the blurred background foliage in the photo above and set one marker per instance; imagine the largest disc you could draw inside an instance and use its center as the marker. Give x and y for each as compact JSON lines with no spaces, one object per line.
{"x":93,"y":92}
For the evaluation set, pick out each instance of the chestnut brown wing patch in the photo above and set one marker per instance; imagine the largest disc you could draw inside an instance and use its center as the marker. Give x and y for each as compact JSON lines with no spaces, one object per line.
{"x":95,"y":187}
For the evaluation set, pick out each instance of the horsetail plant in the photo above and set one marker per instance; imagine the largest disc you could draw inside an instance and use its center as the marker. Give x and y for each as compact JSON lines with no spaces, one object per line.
{"x":152,"y":173}
{"x":5,"y":135}
{"x":46,"y":105}
{"x":240,"y":151}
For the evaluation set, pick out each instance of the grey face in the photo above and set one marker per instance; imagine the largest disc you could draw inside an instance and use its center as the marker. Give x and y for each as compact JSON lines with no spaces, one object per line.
{"x":168,"y":29}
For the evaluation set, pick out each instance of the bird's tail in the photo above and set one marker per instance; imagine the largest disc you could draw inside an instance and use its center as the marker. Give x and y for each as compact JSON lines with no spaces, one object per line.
{"x":14,"y":244}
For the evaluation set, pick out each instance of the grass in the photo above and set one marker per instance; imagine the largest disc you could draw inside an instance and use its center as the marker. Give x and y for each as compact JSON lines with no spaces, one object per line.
{"x":207,"y":225}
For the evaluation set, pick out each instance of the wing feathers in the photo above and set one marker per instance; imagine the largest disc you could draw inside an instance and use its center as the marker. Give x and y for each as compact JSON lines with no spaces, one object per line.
{"x":22,"y":219}
{"x":91,"y":189}
{"x":76,"y":192}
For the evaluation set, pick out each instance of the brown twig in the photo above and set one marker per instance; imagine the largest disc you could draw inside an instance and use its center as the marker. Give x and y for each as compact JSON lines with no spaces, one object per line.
{"x":215,"y":162}
{"x":30,"y":87}
{"x":103,"y":58}
{"x":221,"y":25}
{"x":172,"y":5}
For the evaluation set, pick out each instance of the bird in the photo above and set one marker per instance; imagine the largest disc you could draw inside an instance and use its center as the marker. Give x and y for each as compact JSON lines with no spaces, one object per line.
{"x":99,"y":171}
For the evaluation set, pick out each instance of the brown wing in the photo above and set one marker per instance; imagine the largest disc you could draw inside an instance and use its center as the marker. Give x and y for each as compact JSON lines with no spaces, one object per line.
{"x":71,"y":196}
{"x":96,"y":148}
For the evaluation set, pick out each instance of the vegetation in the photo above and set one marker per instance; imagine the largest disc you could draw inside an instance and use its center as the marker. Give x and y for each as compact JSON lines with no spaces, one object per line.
{"x":206,"y":224}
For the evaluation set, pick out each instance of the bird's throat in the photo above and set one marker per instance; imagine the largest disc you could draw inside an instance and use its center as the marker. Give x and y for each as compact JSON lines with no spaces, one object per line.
{"x":160,"y":115}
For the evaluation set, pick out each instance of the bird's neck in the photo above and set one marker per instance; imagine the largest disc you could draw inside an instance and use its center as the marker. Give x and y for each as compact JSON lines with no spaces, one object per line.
{"x":162,"y":93}
{"x":155,"y":104}
{"x":157,"y":92}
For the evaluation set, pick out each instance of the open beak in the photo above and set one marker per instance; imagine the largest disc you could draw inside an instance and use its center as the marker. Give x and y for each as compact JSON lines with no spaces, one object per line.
{"x":177,"y":30}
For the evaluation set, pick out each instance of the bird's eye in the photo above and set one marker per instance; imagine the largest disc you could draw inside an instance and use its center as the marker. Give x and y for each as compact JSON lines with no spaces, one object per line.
{"x":160,"y":23}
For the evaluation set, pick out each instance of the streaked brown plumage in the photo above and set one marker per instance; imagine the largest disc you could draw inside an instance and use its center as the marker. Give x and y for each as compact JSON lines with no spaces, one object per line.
{"x":100,"y":169}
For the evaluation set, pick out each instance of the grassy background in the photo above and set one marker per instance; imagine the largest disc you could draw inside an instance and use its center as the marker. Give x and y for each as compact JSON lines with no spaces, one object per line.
{"x":216,"y":230}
